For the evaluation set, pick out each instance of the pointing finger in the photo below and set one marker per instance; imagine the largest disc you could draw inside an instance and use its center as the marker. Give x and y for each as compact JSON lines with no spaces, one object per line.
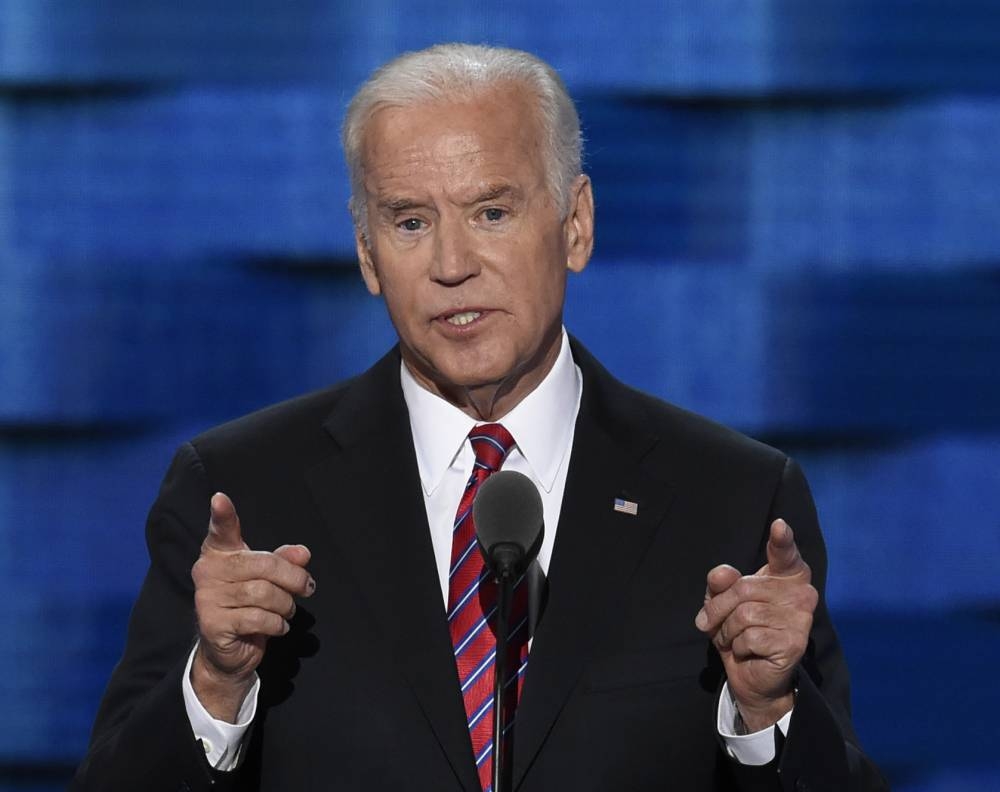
{"x":241,"y":567}
{"x":748,"y":588}
{"x":783,"y":559}
{"x":224,"y":525}
{"x":719,"y":579}
{"x":297,"y":554}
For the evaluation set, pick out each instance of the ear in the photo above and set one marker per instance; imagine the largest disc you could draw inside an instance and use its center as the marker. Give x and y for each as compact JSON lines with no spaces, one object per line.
{"x":579,"y":224}
{"x":367,"y":263}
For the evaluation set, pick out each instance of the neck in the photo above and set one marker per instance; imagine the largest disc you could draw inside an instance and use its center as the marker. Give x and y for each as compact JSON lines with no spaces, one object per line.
{"x":491,"y":401}
{"x":488,"y":402}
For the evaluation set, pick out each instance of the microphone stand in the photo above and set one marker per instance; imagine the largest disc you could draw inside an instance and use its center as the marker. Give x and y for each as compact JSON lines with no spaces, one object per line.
{"x":504,"y":572}
{"x":509,"y":529}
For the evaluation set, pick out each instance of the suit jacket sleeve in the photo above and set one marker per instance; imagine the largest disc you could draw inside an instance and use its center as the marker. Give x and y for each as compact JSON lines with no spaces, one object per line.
{"x":142,"y":738}
{"x":821,"y":751}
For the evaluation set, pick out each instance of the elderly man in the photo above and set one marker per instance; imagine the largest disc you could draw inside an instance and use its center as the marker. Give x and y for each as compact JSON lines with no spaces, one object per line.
{"x":365,"y":661}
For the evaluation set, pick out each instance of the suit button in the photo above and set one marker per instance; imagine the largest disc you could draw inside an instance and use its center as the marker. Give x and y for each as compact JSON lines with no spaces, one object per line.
{"x":801,"y":786}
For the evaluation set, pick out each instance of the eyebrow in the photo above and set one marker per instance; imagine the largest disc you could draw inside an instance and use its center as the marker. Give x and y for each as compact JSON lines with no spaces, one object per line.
{"x":494,"y":191}
{"x":489,"y":193}
{"x":398,"y":204}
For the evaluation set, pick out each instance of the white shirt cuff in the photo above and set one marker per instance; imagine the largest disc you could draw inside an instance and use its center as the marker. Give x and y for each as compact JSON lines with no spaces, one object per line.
{"x":223,"y":741}
{"x":748,"y":749}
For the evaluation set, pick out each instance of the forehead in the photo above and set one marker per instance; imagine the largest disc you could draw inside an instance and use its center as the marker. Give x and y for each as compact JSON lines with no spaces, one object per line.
{"x":492,"y":136}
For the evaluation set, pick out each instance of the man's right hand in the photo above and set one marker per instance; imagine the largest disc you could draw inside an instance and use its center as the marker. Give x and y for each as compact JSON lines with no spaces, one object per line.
{"x":242,"y":597}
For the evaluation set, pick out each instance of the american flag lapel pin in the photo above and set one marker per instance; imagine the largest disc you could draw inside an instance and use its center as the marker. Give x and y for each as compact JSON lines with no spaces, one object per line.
{"x":626,"y":506}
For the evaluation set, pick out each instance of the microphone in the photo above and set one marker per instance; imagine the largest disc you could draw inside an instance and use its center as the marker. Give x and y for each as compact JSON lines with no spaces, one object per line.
{"x":509,"y":521}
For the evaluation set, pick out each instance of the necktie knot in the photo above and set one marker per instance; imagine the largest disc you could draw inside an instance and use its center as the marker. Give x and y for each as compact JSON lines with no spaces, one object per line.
{"x":491,"y":443}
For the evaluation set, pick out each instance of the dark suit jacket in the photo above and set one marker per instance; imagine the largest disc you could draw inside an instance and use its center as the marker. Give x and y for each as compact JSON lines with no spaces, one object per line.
{"x":621,"y":689}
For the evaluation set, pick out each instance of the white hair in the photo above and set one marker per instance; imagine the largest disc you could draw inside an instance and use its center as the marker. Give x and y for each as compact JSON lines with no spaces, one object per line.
{"x":461,"y":72}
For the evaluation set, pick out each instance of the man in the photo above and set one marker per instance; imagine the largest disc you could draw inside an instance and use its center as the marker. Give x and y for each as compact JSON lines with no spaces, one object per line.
{"x":246,"y":669}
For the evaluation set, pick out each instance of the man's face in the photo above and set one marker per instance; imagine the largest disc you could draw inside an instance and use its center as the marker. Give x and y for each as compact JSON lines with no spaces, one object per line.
{"x":467,"y":246}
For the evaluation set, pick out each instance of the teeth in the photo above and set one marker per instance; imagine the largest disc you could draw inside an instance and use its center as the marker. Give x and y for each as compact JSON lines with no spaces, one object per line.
{"x":464,"y":318}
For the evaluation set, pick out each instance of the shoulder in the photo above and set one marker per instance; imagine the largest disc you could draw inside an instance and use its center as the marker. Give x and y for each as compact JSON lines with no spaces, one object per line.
{"x":300,"y":424}
{"x":682,"y":440}
{"x":701,"y":436}
{"x":282,"y":420}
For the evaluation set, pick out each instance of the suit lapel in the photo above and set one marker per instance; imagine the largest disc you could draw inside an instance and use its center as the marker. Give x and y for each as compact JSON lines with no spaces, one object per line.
{"x":369,"y":494}
{"x":596,"y":552}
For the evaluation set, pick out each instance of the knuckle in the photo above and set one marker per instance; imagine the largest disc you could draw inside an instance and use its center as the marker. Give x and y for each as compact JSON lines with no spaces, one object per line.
{"x":266,"y":621}
{"x":752,"y":636}
{"x":252,"y":622}
{"x":246,"y":563}
{"x":295,"y":579}
{"x":748,"y":613}
{"x":272,"y":624}
{"x":241,"y":624}
{"x":255,"y":590}
{"x":198,"y":572}
{"x":268,"y":563}
{"x":256,"y":621}
{"x":743,"y":646}
{"x":804,"y":598}
{"x":282,"y":602}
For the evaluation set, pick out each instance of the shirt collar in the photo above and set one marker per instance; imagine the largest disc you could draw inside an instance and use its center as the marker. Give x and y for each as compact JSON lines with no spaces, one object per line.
{"x":541,"y":423}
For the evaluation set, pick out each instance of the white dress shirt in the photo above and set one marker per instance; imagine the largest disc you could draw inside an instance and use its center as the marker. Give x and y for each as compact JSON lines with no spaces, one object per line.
{"x":542,"y":425}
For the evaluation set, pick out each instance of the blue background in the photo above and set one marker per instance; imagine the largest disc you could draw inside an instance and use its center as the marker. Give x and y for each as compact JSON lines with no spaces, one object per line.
{"x":798,"y":234}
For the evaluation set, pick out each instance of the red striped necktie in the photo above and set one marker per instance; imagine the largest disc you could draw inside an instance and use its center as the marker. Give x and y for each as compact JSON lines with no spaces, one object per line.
{"x":472,"y":602}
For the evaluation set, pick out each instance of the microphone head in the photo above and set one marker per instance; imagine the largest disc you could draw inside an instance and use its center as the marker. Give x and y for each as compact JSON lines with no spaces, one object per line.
{"x":509,"y":522}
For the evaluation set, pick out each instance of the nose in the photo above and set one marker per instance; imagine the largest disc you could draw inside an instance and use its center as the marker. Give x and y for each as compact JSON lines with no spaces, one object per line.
{"x":455,"y":259}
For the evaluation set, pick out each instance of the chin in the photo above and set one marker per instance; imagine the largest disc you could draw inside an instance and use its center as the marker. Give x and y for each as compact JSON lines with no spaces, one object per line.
{"x":475,"y":364}
{"x":470,"y":377}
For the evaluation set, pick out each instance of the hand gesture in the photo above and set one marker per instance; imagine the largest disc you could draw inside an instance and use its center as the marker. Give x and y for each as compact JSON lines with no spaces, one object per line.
{"x":760,"y":624}
{"x":242,"y":597}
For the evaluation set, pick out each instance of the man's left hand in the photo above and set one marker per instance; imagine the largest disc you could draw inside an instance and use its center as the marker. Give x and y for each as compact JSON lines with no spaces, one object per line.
{"x":760,"y":625}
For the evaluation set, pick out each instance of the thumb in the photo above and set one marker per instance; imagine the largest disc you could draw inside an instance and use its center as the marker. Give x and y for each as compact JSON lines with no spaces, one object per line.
{"x":224,"y":525}
{"x":783,"y":558}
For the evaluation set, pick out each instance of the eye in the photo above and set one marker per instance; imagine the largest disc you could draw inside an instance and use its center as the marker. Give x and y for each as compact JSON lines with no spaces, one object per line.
{"x":494,"y":214}
{"x":410,"y":224}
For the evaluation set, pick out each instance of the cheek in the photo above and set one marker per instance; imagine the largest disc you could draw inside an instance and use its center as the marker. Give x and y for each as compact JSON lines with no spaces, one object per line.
{"x":400,"y":302}
{"x":398,"y":290}
{"x":540,"y":261}
{"x":548,"y":275}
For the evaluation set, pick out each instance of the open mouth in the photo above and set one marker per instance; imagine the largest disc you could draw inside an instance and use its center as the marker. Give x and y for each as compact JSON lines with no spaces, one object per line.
{"x":463,"y":318}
